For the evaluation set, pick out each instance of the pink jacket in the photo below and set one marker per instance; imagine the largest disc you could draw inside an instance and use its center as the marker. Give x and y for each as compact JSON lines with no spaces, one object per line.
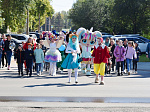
{"x":130,"y":53}
{"x":119,"y":53}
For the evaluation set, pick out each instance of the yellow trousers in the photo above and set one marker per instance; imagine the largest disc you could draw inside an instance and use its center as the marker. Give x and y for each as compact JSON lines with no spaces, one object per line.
{"x":99,"y":68}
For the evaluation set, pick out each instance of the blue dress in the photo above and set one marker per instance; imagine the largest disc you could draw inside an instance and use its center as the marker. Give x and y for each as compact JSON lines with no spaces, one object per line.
{"x":69,"y":63}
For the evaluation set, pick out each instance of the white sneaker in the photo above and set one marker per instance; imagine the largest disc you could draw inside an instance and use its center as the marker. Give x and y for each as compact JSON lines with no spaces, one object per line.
{"x":37,"y":74}
{"x":61,"y":71}
{"x":40,"y":73}
{"x":101,"y":83}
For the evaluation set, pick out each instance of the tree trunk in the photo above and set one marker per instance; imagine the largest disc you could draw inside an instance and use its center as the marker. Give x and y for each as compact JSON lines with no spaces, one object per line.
{"x":39,"y":25}
{"x":27,"y":32}
{"x":49,"y":24}
{"x":46,"y":24}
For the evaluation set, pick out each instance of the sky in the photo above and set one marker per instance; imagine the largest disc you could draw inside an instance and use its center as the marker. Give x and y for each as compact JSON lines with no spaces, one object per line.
{"x":62,"y":5}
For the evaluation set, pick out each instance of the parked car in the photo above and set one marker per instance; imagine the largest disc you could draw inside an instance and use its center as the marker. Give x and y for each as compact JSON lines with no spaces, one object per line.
{"x":105,"y":36}
{"x":37,"y":34}
{"x":104,"y":33}
{"x":142,"y":43}
{"x":20,"y":37}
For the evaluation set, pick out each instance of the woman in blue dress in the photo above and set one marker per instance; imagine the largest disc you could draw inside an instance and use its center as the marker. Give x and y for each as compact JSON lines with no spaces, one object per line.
{"x":71,"y":61}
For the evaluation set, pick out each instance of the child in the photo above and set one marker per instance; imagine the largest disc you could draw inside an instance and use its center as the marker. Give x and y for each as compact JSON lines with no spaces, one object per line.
{"x":138,"y":52}
{"x":20,"y":56}
{"x":62,"y":51}
{"x":119,"y":53}
{"x":1,"y":50}
{"x":29,"y":57}
{"x":101,"y":55}
{"x":52,"y":55}
{"x":130,"y":52}
{"x":71,"y":61}
{"x":39,"y":58}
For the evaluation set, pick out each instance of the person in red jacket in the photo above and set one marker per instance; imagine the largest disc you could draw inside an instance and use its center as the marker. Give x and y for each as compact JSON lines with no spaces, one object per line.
{"x":101,"y":55}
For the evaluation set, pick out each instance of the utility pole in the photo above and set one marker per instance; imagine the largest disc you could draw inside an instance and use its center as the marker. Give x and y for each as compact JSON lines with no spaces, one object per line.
{"x":49,"y":23}
{"x":27,"y":32}
{"x":39,"y":25}
{"x":46,"y":24}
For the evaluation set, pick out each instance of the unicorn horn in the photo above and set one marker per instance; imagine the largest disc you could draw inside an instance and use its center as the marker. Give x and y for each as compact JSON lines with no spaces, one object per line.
{"x":91,"y":29}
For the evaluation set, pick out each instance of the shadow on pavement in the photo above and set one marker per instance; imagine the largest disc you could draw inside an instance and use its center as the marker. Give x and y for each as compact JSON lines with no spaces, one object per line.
{"x":59,"y":85}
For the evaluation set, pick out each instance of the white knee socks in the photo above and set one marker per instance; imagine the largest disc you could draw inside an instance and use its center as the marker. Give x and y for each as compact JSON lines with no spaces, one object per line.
{"x":52,"y":70}
{"x":76,"y":74}
{"x":69,"y":74}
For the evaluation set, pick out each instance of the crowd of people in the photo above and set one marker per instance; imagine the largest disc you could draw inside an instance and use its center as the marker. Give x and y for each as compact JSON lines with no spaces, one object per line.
{"x":73,"y":51}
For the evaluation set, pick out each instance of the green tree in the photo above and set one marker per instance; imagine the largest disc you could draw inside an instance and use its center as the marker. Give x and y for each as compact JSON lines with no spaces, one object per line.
{"x":133,"y":15}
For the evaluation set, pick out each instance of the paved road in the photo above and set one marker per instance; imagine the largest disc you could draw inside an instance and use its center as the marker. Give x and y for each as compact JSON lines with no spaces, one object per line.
{"x":72,"y":107}
{"x":124,"y":89}
{"x":137,"y":85}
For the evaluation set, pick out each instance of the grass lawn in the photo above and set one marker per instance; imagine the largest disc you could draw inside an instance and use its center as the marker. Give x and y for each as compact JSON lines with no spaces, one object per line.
{"x":143,"y":58}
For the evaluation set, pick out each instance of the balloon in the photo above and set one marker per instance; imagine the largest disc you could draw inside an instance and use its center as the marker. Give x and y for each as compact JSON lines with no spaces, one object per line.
{"x":62,"y":48}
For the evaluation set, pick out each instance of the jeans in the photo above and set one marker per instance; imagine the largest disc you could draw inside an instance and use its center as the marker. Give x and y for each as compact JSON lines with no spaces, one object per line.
{"x":42,"y":66}
{"x":38,"y":67}
{"x":128,"y":64}
{"x":8,"y":55}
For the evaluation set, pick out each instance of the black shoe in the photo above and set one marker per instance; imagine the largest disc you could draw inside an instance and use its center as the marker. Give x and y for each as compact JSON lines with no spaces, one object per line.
{"x":21,"y":74}
{"x":76,"y":82}
{"x":118,"y":74}
{"x":18,"y":73}
{"x":121,"y":73}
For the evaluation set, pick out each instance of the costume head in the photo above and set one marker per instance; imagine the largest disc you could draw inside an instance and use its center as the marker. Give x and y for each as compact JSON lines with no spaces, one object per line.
{"x":55,"y":33}
{"x":53,"y":37}
{"x":45,"y":34}
{"x":88,"y":38}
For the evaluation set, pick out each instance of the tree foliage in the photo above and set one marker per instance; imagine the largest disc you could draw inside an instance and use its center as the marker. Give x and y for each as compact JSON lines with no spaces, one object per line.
{"x":14,"y":13}
{"x":118,"y":16}
{"x":60,"y":21}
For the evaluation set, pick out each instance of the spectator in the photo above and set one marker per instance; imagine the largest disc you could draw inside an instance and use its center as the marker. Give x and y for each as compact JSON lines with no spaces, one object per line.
{"x":41,"y":38}
{"x":67,"y":36}
{"x":148,"y":51}
{"x":130,"y":52}
{"x":8,"y":50}
{"x":3,"y":53}
{"x":107,"y":42}
{"x":125,"y":44}
{"x":39,"y":58}
{"x":20,"y":57}
{"x":112,"y":47}
{"x":138,"y":52}
{"x":119,"y":53}
{"x":1,"y":49}
{"x":30,"y":40}
{"x":29,"y":57}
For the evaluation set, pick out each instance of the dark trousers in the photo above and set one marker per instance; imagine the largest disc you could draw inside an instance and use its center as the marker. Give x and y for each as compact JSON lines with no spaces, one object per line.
{"x":113,"y":63}
{"x":4,"y":57}
{"x":29,"y":64}
{"x":125,"y":65}
{"x":135,"y":65}
{"x":120,"y":64}
{"x":20,"y":68}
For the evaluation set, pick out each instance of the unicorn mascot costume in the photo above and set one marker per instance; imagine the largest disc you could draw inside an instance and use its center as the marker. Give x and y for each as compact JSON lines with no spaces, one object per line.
{"x":87,"y":41}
